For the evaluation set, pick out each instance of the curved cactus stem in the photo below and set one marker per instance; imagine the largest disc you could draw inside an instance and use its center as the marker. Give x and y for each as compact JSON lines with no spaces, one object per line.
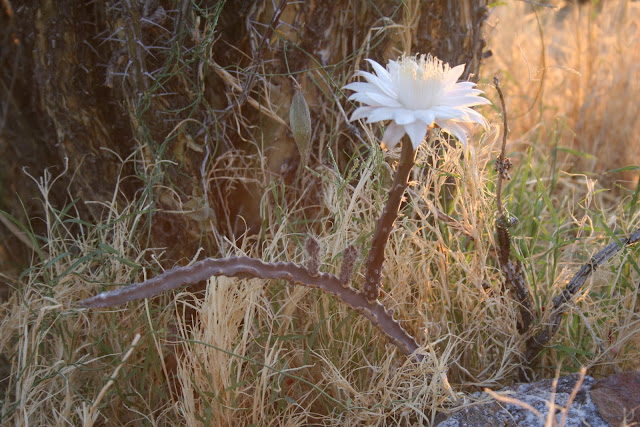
{"x":249,"y":268}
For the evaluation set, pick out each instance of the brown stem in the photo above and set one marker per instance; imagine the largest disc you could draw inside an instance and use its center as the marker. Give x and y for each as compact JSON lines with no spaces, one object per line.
{"x":501,"y":159}
{"x":244,"y":267}
{"x":513,"y":276}
{"x":136,"y":50}
{"x":385,"y":223}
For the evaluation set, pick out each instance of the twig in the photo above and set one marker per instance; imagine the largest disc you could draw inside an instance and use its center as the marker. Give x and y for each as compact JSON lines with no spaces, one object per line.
{"x":183,"y":11}
{"x":135,"y":47}
{"x":502,"y":164}
{"x":537,"y":342}
{"x":513,"y":401}
{"x":257,"y":59}
{"x":385,"y":223}
{"x":550,"y":420}
{"x":574,"y":393}
{"x":249,"y":268}
{"x":514,"y":277}
{"x":91,"y":417}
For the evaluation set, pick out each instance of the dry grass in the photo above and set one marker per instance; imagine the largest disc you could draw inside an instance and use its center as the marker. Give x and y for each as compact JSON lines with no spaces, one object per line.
{"x":569,"y":74}
{"x":252,"y":352}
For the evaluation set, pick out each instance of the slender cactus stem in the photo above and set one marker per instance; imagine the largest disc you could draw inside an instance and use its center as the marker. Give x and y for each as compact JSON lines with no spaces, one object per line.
{"x":385,"y":223}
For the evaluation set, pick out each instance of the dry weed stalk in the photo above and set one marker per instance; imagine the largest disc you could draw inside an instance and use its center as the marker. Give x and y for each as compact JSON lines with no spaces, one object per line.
{"x":513,"y":274}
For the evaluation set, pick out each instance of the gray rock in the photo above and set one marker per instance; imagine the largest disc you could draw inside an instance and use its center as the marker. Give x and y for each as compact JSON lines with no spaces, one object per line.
{"x":487,"y":412}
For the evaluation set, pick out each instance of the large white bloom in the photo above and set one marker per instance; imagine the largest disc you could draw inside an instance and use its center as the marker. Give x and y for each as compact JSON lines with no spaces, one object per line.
{"x":416,"y":92}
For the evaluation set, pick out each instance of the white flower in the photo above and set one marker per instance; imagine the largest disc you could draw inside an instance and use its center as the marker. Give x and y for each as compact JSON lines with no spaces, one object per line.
{"x":416,"y":92}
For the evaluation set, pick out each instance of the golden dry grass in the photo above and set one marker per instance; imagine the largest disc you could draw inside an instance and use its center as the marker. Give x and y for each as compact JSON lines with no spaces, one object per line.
{"x":569,"y":74}
{"x":254,"y":352}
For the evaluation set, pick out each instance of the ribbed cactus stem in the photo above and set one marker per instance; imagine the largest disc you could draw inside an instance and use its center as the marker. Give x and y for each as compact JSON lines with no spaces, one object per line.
{"x":386,"y":221}
{"x":313,"y":251}
{"x":349,"y":258}
{"x":249,"y":268}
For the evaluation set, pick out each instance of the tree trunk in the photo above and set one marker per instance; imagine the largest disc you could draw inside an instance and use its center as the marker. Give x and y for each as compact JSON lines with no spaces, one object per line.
{"x":95,"y":83}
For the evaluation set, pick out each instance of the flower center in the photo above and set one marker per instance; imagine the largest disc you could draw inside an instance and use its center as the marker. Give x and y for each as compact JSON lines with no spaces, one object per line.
{"x":420,"y":81}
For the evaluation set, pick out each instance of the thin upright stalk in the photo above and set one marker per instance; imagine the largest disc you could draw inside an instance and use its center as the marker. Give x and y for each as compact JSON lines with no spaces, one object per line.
{"x":501,"y":167}
{"x":385,"y":223}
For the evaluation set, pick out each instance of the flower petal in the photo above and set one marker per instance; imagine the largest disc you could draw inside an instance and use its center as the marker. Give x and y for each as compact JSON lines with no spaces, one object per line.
{"x":362,"y":87}
{"x":426,"y":116}
{"x":392,"y":135}
{"x":382,"y":85}
{"x":465,"y":101}
{"x":392,"y":66}
{"x":382,"y":113}
{"x":360,"y":113}
{"x":444,"y":112}
{"x":382,"y":73}
{"x":474,"y":116}
{"x":416,"y":131}
{"x":463,"y":91}
{"x":454,"y":129}
{"x":404,"y":116}
{"x":374,"y":99}
{"x":463,"y":86}
{"x":453,"y":75}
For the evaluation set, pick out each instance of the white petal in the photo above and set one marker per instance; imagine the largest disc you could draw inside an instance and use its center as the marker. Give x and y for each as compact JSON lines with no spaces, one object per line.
{"x":374,"y":99}
{"x":392,"y":66}
{"x":392,"y":135}
{"x":381,"y":84}
{"x":454,"y":74}
{"x":463,"y":85}
{"x":474,"y":116}
{"x":465,"y":101}
{"x":362,"y":87}
{"x":454,"y":129}
{"x":361,"y":112}
{"x":463,"y":91}
{"x":380,"y":71}
{"x":404,"y":116}
{"x":465,"y":114}
{"x":416,"y":131}
{"x":381,"y":113}
{"x":444,"y":112}
{"x":426,"y":116}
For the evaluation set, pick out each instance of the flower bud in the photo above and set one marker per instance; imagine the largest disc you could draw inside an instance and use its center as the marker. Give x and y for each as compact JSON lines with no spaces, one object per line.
{"x":313,"y":251}
{"x":300,"y":120}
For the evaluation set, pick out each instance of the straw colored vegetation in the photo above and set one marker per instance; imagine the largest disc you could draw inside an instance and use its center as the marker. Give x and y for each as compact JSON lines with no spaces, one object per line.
{"x":266,"y":353}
